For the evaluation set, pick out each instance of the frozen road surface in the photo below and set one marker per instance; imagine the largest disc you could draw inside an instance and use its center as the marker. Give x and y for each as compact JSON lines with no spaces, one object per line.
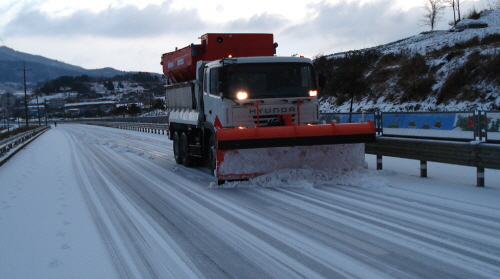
{"x":93,"y":202}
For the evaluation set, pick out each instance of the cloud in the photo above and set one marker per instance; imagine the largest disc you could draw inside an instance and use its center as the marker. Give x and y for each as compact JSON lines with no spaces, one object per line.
{"x":351,"y":25}
{"x":264,"y":22}
{"x":124,"y":22}
{"x":96,"y":39}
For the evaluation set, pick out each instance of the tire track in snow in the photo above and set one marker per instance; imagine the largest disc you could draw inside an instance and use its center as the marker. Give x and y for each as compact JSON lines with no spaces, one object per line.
{"x":422,"y":236}
{"x":214,"y":223}
{"x":237,"y":249}
{"x":127,"y":243}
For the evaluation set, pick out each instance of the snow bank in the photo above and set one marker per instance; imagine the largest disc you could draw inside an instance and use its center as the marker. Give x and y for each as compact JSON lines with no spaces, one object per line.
{"x":301,"y":179}
{"x":263,"y":160}
{"x":298,"y":167}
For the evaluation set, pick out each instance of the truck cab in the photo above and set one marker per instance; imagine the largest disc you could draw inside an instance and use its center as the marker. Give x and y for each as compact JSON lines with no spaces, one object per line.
{"x":260,"y":91}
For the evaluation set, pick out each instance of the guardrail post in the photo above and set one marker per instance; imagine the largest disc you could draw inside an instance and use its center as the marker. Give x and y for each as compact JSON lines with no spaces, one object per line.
{"x":480,"y":177}
{"x":480,"y":125}
{"x":423,"y":168}
{"x":379,"y":162}
{"x":378,"y":122}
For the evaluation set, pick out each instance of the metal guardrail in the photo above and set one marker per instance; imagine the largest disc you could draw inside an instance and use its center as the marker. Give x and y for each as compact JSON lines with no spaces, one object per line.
{"x":155,"y":128}
{"x":457,"y":150}
{"x":475,"y":153}
{"x":7,"y":144}
{"x":145,"y":119}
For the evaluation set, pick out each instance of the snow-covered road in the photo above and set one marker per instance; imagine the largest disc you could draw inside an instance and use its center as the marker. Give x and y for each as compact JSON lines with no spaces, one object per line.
{"x":94,"y":202}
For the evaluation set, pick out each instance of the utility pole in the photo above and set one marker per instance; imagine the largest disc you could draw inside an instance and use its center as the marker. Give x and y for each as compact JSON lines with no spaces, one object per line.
{"x":38,"y":111}
{"x":8,"y":111}
{"x":3,"y":111}
{"x":25,"y":95}
{"x":45,"y":111}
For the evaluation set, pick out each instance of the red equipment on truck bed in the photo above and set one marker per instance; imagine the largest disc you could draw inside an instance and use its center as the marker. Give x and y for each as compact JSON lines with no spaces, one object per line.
{"x":180,"y":65}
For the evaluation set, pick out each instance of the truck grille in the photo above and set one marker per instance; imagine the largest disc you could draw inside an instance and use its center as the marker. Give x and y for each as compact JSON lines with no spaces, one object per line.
{"x":264,"y":119}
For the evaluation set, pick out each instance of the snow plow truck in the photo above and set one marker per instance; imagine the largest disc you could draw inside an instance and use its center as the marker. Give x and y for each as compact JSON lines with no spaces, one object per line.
{"x":242,"y":111}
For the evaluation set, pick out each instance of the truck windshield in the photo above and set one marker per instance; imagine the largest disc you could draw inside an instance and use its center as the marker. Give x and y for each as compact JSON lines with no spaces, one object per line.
{"x":271,"y":80}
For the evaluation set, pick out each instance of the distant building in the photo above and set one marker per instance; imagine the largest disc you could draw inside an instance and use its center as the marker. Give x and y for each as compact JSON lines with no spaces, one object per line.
{"x":73,"y":111}
{"x":92,"y":108}
{"x":57,"y":103}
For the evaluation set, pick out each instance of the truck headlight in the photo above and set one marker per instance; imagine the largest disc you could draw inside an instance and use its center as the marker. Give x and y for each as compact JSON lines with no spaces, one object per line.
{"x":313,"y":93}
{"x":241,"y":95}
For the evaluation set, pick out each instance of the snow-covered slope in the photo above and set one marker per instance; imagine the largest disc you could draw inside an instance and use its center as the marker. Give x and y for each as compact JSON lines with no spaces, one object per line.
{"x":429,"y":41}
{"x":435,"y":47}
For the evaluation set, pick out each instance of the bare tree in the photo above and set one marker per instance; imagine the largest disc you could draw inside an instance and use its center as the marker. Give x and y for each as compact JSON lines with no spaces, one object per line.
{"x":452,"y":5}
{"x":433,"y":12}
{"x":458,"y":8}
{"x":455,"y":6}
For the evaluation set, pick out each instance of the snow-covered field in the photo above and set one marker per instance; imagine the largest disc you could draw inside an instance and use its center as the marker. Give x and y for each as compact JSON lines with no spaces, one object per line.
{"x":93,"y":202}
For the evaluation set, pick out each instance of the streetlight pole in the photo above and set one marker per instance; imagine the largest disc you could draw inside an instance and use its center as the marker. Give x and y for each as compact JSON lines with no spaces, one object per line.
{"x":25,"y":95}
{"x":8,"y":114}
{"x":45,"y":110}
{"x":3,"y":112}
{"x":38,"y":111}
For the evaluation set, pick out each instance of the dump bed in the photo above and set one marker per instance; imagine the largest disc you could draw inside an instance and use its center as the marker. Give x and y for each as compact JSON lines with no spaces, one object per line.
{"x":180,"y":96}
{"x":180,"y":65}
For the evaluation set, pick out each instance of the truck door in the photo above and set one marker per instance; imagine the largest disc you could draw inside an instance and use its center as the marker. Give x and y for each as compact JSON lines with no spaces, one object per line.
{"x":212,"y":96}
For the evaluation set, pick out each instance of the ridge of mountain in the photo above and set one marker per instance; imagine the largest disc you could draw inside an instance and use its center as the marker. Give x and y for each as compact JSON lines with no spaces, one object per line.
{"x":42,"y":68}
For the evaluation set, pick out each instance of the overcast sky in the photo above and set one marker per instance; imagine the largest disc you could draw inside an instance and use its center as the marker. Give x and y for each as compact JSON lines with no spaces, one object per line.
{"x":131,"y":35}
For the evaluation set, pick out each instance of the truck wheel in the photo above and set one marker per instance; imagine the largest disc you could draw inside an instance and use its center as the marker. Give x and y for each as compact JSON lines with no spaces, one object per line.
{"x":184,"y":148}
{"x":212,"y":155}
{"x":177,"y":152}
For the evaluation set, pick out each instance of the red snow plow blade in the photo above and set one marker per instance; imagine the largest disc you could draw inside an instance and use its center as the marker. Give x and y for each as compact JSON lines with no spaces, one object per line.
{"x":244,"y":153}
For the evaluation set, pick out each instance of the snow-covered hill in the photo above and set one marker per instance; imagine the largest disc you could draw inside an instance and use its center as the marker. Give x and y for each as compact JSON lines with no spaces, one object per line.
{"x":429,"y":41}
{"x":452,"y":58}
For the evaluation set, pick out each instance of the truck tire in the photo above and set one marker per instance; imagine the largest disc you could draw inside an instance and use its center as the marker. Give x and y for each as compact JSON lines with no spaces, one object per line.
{"x":211,"y":156}
{"x":177,"y":152}
{"x":212,"y":159}
{"x":187,"y":160}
